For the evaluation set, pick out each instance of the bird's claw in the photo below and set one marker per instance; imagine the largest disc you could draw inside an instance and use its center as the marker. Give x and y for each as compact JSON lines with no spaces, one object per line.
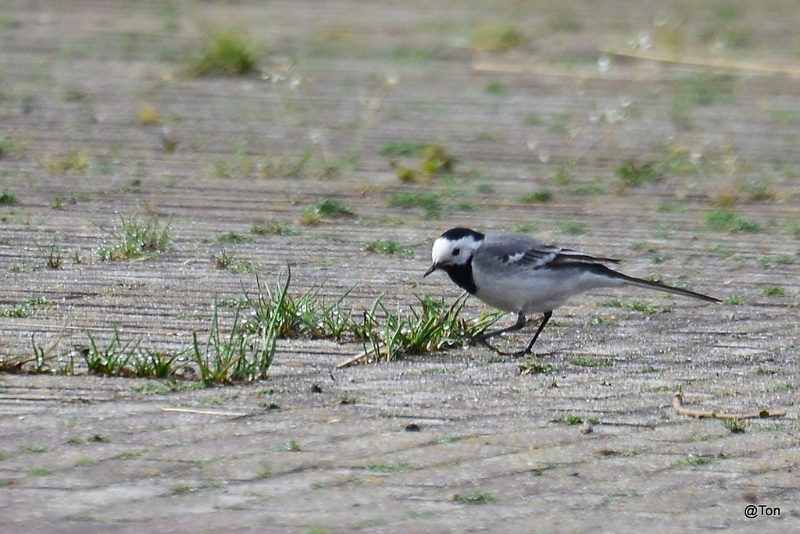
{"x":482,"y":341}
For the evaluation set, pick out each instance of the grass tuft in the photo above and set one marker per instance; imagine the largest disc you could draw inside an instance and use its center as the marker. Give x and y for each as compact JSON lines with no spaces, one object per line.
{"x":233,"y":238}
{"x":50,"y":254}
{"x":402,"y":148}
{"x":736,"y":300}
{"x":272,"y":227}
{"x":429,"y":202}
{"x":533,"y":367}
{"x":111,"y":360}
{"x":497,"y":39}
{"x":390,"y":247}
{"x":435,"y":160}
{"x":772,"y":290}
{"x":297,"y":316}
{"x":692,"y":461}
{"x":735,"y":425}
{"x":75,"y":160}
{"x":431,"y":327}
{"x":566,"y":226}
{"x":729,"y":221}
{"x":402,"y":467}
{"x":570,"y":419}
{"x":8,"y":199}
{"x":238,"y":354}
{"x":333,"y":208}
{"x":540,"y":195}
{"x":635,"y":174}
{"x":473,"y":497}
{"x":26,"y":308}
{"x":136,"y":239}
{"x":226,"y":53}
{"x":147,"y":115}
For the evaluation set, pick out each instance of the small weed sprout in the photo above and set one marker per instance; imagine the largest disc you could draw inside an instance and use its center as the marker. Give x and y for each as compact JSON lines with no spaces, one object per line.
{"x":525,"y":228}
{"x":155,"y":363}
{"x":433,"y":326}
{"x":390,"y":247}
{"x":26,"y":308}
{"x":311,"y":217}
{"x":772,"y":290}
{"x":291,"y":316}
{"x":497,"y":39}
{"x":41,"y":358}
{"x":635,"y":174}
{"x":692,"y":461}
{"x":736,"y":300}
{"x":234,"y":356}
{"x":435,"y":160}
{"x":264,"y":471}
{"x":735,"y":425}
{"x":272,"y":227}
{"x":147,"y":115}
{"x":136,"y":239}
{"x":331,"y":207}
{"x":51,"y":256}
{"x":402,"y":467}
{"x":223,"y":260}
{"x":571,"y":227}
{"x":233,"y":238}
{"x":431,"y":162}
{"x":8,"y":198}
{"x":74,"y":161}
{"x":429,"y":202}
{"x":761,"y":190}
{"x":111,"y":360}
{"x":729,"y":221}
{"x":540,"y":195}
{"x":226,"y":53}
{"x":402,"y":148}
{"x":473,"y":497}
{"x":533,"y":367}
{"x":575,"y":419}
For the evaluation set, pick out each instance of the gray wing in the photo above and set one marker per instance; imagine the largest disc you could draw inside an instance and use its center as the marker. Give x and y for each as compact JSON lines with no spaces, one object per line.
{"x":515,"y":250}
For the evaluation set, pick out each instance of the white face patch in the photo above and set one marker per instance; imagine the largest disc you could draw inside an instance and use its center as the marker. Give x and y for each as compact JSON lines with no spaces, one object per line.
{"x":447,"y":252}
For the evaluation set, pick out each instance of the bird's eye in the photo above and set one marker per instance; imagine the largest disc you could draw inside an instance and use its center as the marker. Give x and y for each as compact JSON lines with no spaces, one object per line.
{"x":456,"y":251}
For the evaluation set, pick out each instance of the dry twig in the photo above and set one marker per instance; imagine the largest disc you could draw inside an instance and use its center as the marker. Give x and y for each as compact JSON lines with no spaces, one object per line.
{"x":204,"y":412}
{"x":677,"y":405}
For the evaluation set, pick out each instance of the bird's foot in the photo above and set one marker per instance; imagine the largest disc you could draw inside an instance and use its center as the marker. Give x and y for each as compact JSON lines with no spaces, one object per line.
{"x":482,"y":341}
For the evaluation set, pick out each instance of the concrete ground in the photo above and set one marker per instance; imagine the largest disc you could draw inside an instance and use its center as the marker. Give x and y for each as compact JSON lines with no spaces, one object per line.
{"x":452,"y":441}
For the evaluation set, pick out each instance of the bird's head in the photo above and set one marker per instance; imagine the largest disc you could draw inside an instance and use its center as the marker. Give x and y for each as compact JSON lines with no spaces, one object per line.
{"x":454,"y":248}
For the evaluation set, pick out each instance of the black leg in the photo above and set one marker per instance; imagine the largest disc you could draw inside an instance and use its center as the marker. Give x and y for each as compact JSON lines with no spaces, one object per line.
{"x":545,"y":318}
{"x":513,"y":328}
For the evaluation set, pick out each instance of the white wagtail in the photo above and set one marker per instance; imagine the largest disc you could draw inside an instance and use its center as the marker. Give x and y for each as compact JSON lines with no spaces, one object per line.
{"x":520,"y":274}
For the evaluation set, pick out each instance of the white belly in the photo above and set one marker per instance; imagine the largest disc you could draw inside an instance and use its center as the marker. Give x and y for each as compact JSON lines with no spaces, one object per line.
{"x":537,"y":291}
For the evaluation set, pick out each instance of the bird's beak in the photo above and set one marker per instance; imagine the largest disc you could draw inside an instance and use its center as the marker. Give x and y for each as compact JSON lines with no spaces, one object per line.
{"x":434,"y":267}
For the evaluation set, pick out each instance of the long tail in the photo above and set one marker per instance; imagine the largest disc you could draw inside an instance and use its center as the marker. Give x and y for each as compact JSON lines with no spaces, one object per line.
{"x":663,"y":287}
{"x":653,"y":285}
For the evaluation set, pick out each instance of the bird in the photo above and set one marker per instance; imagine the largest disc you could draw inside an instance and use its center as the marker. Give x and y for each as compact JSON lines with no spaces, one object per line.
{"x":520,"y":274}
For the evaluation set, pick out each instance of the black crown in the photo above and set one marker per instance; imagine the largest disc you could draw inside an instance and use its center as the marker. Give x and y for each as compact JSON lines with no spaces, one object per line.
{"x":454,"y":234}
